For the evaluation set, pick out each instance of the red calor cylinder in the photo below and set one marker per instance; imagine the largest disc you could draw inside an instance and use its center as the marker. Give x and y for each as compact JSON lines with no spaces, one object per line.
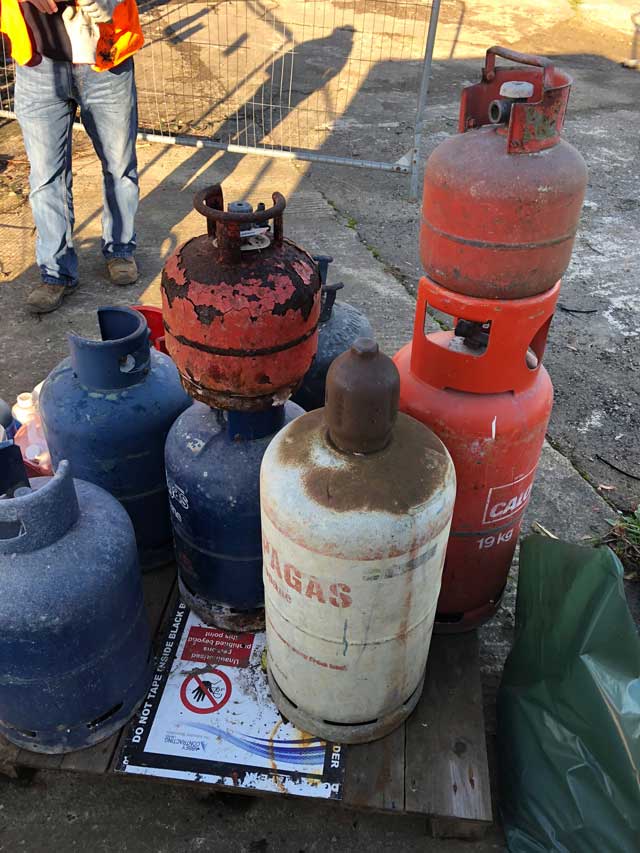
{"x":502,"y":197}
{"x":490,"y":406}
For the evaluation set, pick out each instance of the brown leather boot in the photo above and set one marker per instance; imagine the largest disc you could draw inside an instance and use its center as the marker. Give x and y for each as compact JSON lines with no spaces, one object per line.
{"x":47,"y":297}
{"x":122,"y":271}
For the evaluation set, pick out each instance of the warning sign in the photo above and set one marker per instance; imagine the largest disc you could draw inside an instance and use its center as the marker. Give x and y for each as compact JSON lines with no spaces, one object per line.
{"x":209,"y":717}
{"x":207,"y":693}
{"x":212,"y":646}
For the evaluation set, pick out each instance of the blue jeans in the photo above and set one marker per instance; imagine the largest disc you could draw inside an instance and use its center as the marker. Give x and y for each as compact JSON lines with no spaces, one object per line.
{"x":46,"y":99}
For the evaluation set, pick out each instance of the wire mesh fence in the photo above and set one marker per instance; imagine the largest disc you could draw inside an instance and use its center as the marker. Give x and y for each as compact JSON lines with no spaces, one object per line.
{"x":273,"y":76}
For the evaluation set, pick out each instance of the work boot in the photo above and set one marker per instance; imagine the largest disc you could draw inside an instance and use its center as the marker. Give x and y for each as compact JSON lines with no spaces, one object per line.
{"x":47,"y":297}
{"x":122,"y":271}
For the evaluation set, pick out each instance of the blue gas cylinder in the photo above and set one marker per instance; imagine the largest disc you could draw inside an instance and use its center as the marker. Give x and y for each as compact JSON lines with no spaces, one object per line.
{"x":108,"y":409}
{"x":75,"y":656}
{"x":340,"y":325}
{"x":213,"y":462}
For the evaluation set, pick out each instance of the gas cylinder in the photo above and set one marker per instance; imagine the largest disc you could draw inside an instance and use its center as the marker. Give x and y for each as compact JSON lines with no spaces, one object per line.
{"x":356,"y":506}
{"x":76,"y":646}
{"x":502,"y":198}
{"x":108,"y":409}
{"x":213,"y":465}
{"x":340,"y":325}
{"x":482,"y":388}
{"x":240,"y":306}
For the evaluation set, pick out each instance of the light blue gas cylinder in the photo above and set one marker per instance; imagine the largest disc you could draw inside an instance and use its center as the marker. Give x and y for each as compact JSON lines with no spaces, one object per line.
{"x":213,"y":462}
{"x":75,"y":655}
{"x":108,"y":409}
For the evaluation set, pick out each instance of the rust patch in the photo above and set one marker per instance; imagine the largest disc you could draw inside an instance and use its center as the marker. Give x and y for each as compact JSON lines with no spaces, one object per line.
{"x":404,"y":475}
{"x":240,"y":352}
{"x":272,"y":756}
{"x":264,"y":270}
{"x":228,"y":400}
{"x":207,"y":313}
{"x":541,"y":124}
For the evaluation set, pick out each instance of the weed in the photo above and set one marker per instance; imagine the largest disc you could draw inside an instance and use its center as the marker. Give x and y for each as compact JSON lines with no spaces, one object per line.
{"x":624,"y":540}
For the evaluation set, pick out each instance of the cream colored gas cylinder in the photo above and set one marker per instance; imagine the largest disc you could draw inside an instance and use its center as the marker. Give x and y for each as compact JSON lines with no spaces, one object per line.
{"x":356,"y":505}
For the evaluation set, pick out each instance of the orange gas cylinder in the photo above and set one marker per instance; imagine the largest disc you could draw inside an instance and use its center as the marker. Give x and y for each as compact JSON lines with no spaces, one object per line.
{"x":483,"y":390}
{"x":502,"y":198}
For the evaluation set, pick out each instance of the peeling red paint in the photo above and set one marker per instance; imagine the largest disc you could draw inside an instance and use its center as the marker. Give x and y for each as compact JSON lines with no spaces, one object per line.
{"x":241,"y":326}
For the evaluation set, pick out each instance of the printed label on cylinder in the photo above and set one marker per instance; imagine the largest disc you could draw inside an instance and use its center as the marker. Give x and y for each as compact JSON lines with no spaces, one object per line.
{"x":328,"y":616}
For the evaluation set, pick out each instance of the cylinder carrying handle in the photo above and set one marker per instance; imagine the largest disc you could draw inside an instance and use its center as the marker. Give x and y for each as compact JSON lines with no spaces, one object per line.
{"x":224,"y":225}
{"x":488,"y":72}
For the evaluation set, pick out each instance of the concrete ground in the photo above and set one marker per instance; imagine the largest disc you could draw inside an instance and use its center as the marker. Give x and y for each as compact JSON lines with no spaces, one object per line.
{"x":367,"y":222}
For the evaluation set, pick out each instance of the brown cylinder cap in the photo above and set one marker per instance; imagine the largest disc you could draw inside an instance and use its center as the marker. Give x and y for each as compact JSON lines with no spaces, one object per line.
{"x":361,"y":398}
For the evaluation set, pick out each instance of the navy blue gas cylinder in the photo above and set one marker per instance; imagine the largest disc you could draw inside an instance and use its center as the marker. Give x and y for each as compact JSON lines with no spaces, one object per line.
{"x":340,"y":325}
{"x":213,"y":462}
{"x":75,"y":656}
{"x":108,"y":409}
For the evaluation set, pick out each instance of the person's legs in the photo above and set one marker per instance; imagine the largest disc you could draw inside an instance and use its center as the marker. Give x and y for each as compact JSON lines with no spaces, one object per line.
{"x":45,"y":110}
{"x":109,"y":112}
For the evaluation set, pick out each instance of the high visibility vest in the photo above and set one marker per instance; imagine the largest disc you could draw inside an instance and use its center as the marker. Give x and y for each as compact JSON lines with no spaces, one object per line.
{"x":118,"y":40}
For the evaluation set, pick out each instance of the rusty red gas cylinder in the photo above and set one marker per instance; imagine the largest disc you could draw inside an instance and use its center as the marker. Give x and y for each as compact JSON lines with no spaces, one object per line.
{"x":502,"y":198}
{"x":241,"y":306}
{"x":483,"y":390}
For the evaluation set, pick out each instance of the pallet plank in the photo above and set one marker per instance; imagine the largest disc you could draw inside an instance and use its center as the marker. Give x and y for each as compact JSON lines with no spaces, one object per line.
{"x":8,"y":758}
{"x":38,"y":760}
{"x":158,"y":589}
{"x":447,"y":774}
{"x":374,"y":774}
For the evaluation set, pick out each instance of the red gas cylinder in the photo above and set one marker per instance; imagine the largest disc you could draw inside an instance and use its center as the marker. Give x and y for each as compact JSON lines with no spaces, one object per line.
{"x":241,"y":306}
{"x":502,"y":198}
{"x":483,"y":390}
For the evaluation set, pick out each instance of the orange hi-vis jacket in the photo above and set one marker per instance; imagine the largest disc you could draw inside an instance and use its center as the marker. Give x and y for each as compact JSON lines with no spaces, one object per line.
{"x":119,"y":39}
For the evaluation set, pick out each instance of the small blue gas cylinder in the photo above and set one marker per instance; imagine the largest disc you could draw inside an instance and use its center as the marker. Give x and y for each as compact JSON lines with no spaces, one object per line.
{"x":213,"y":462}
{"x":75,"y":656}
{"x":340,"y":325}
{"x":108,"y":409}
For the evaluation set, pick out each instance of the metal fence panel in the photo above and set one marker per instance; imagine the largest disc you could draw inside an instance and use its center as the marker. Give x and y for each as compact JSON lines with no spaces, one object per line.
{"x":274,"y":77}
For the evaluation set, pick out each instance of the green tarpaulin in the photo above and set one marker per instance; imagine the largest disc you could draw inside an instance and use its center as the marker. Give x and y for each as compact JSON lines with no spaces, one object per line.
{"x":569,"y":706}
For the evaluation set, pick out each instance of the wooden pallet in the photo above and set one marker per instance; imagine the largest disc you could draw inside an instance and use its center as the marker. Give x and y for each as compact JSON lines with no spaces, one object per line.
{"x":434,"y":765}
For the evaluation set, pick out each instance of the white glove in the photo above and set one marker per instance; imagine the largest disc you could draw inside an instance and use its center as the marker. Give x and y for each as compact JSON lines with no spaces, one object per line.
{"x":83,"y":34}
{"x":100,"y":11}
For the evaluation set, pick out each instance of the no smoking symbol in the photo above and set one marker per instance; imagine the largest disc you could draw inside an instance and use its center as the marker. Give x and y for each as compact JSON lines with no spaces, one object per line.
{"x":206,"y":693}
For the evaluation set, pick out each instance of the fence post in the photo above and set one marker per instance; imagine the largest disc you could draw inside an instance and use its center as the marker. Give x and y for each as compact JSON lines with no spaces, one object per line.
{"x":422,"y":99}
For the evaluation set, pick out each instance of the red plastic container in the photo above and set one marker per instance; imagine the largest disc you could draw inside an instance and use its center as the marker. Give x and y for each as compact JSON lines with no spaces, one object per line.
{"x":153,"y":316}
